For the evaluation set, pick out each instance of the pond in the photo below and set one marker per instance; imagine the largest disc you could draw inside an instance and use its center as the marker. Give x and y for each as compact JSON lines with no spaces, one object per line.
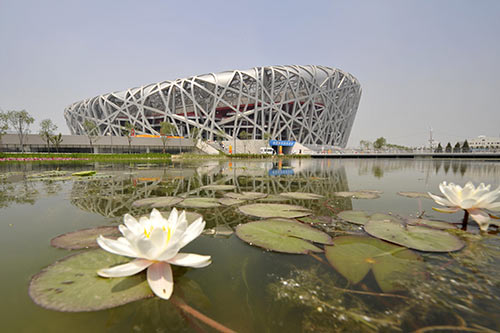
{"x":247,"y":288}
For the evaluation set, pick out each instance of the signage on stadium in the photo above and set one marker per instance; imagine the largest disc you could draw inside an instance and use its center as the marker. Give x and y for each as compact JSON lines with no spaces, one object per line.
{"x":286,"y":143}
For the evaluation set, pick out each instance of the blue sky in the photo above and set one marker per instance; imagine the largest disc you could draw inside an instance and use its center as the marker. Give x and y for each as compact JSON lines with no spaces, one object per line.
{"x":420,"y":63}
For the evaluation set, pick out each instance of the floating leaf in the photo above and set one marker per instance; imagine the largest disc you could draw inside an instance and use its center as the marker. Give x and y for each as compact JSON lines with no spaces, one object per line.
{"x":200,"y":203}
{"x":274,"y":198}
{"x":282,"y":235}
{"x":414,"y":195}
{"x":414,"y":237}
{"x":301,"y":195}
{"x":361,"y":217}
{"x":72,"y":284}
{"x":354,"y":256}
{"x":157,"y":202}
{"x":431,"y":224}
{"x":274,"y":210}
{"x":218,"y":187}
{"x":219,"y":231}
{"x":85,"y":238}
{"x":317,"y":219}
{"x":84,"y":173}
{"x":230,"y":201}
{"x":358,"y":194}
{"x":245,"y":195}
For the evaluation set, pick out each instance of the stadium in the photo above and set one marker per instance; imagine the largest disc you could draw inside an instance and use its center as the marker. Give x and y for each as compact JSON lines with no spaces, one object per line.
{"x":312,"y":105}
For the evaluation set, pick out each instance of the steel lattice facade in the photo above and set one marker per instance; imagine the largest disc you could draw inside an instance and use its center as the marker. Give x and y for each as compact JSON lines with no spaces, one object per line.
{"x":307,"y":104}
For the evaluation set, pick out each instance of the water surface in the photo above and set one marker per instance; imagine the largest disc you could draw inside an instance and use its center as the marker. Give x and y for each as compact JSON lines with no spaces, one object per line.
{"x":247,"y":288}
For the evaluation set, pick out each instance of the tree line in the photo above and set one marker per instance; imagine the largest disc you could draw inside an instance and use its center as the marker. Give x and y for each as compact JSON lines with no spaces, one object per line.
{"x":464,"y":148}
{"x":20,"y":122}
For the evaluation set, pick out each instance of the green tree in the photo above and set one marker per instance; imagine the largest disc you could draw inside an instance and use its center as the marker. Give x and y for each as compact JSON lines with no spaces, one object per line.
{"x":47,"y":128}
{"x":439,"y":148}
{"x":128,"y":130}
{"x":448,"y":148}
{"x":457,"y":148}
{"x":4,"y":126}
{"x":166,"y":129}
{"x":465,"y":147}
{"x":20,"y":121}
{"x":90,"y":129}
{"x":56,"y":140}
{"x":364,"y":144}
{"x":379,"y":143}
{"x":195,"y":132}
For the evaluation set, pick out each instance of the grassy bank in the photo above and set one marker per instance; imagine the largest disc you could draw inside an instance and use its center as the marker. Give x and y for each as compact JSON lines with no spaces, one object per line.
{"x":44,"y":157}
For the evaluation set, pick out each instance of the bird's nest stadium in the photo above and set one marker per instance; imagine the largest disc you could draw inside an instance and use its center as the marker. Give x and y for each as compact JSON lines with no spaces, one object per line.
{"x":313,"y":105}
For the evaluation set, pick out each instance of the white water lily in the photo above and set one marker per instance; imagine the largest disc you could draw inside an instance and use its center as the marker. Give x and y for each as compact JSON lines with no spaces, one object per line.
{"x":155,"y":243}
{"x":475,"y":201}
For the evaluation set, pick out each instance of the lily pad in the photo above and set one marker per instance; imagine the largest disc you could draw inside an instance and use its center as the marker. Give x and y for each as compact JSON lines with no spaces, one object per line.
{"x":414,"y":237}
{"x":72,"y":284}
{"x":230,"y":201}
{"x":354,"y":256}
{"x":282,"y":235}
{"x":85,"y":238}
{"x":274,"y":198}
{"x":432,"y":224}
{"x":414,"y":195}
{"x":157,"y":202}
{"x":245,"y":195}
{"x":218,"y":187}
{"x":84,"y":173}
{"x":358,"y":194}
{"x":200,"y":203}
{"x":361,"y":217}
{"x":274,"y":210}
{"x":301,"y":195}
{"x":317,"y":219}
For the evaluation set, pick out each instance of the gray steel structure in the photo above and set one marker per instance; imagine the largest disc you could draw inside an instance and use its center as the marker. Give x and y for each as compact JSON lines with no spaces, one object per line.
{"x":308,"y":104}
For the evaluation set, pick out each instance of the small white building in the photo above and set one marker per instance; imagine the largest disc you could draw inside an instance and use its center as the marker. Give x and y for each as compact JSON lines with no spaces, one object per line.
{"x":484,"y":143}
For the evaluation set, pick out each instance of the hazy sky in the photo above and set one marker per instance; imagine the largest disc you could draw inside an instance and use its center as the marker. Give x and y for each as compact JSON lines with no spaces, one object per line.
{"x":420,"y":63}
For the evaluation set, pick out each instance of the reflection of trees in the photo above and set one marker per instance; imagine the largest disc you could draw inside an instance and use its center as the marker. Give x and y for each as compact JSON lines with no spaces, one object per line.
{"x":20,"y":192}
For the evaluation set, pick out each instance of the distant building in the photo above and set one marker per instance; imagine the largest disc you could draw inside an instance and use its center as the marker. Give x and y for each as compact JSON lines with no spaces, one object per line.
{"x":484,"y":143}
{"x":313,"y":105}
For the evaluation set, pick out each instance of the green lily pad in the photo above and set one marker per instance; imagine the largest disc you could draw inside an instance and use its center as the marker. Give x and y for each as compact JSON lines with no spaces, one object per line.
{"x":218,"y":187}
{"x":245,"y":195}
{"x":354,"y":256}
{"x":414,"y":237}
{"x":316,"y":219}
{"x":361,"y":217}
{"x":414,"y":195}
{"x":301,"y":195}
{"x":274,"y":210}
{"x":368,"y":194}
{"x":200,"y":203}
{"x":85,"y":238}
{"x":273,"y":198}
{"x":282,"y":235}
{"x":432,"y":224}
{"x":230,"y":201}
{"x":84,"y":173}
{"x":47,"y":174}
{"x":157,"y":202}
{"x":72,"y":284}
